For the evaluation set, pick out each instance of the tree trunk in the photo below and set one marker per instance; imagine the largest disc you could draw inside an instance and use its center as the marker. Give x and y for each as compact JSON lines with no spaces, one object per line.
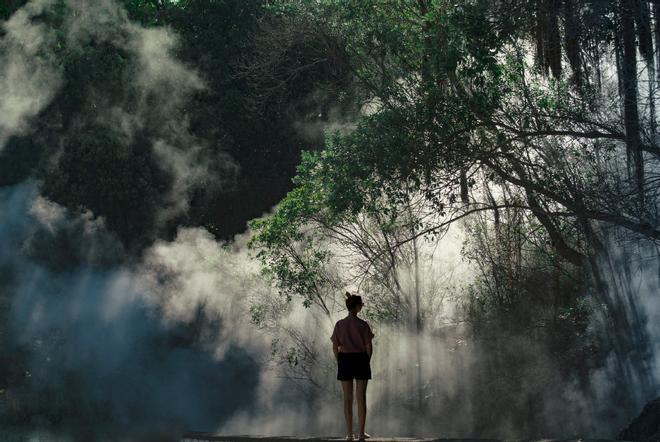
{"x":629,"y":83}
{"x":572,"y":40}
{"x":644,"y":26}
{"x":656,"y":33}
{"x":554,"y":38}
{"x":540,"y":36}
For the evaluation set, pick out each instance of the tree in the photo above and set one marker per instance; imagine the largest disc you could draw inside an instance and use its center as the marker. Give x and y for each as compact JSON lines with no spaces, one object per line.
{"x":458,"y":114}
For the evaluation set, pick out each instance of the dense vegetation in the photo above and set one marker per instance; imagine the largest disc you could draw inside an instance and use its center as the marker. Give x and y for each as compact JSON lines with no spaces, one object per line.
{"x":529,"y":125}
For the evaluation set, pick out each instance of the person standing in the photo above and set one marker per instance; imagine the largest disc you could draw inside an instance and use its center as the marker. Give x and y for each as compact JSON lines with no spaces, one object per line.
{"x":351,"y":344}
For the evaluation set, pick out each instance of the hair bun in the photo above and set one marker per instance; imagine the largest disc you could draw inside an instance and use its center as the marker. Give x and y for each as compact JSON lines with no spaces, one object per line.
{"x":352,"y":300}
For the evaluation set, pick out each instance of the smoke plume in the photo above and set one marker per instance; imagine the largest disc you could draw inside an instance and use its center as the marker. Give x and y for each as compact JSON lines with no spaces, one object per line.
{"x":29,"y":74}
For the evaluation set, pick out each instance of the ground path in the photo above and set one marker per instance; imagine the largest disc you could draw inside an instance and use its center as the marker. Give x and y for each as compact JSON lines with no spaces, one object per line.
{"x":212,"y":437}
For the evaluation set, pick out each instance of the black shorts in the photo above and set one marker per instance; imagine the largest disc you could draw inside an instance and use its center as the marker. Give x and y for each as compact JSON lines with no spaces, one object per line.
{"x":353,"y":366}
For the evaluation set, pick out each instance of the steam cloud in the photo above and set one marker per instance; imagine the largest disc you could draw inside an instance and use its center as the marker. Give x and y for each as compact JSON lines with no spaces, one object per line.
{"x":29,"y":75}
{"x":157,"y":88}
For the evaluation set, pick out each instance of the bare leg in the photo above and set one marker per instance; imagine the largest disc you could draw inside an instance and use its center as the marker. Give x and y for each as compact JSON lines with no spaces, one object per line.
{"x":347,"y":388}
{"x":361,"y":396}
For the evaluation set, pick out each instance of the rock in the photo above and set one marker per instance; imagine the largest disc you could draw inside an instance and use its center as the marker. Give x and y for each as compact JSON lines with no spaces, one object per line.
{"x":646,"y":426}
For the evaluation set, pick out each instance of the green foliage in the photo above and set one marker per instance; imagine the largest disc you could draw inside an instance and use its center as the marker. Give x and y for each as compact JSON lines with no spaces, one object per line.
{"x":455,"y":112}
{"x":8,"y":7}
{"x":290,"y":253}
{"x":120,"y":183}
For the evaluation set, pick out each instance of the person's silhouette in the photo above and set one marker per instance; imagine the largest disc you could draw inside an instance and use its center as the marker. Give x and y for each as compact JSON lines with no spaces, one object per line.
{"x":351,"y":344}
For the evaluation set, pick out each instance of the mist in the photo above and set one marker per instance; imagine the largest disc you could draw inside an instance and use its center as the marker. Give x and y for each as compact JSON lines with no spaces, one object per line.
{"x":179,"y":330}
{"x":107,"y":343}
{"x":118,"y":345}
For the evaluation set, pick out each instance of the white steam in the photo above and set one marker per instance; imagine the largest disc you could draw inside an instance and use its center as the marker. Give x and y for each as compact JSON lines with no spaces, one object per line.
{"x":105,"y":324}
{"x":29,"y":73}
{"x":157,"y":90}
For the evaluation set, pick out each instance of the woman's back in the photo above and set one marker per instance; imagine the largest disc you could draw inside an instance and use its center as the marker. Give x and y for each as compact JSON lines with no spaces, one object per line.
{"x":352,"y":334}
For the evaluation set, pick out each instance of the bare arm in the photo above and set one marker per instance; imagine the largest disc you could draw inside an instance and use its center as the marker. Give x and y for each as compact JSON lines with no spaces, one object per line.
{"x":335,"y":349}
{"x":370,"y":349}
